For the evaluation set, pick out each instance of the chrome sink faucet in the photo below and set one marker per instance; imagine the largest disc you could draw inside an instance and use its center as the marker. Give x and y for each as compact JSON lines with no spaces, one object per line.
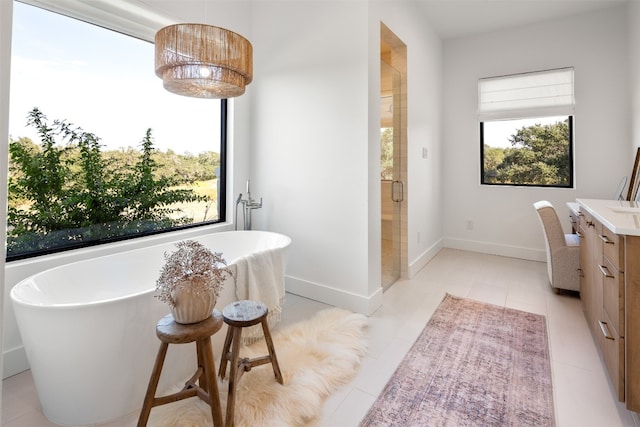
{"x":248,"y":205}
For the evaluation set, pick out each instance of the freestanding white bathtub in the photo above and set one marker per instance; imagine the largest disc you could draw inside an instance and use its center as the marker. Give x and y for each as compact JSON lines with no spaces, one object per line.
{"x":88,"y":328}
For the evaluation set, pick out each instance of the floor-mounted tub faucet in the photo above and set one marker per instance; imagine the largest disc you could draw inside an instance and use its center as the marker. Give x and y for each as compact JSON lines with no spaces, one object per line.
{"x":248,"y":205}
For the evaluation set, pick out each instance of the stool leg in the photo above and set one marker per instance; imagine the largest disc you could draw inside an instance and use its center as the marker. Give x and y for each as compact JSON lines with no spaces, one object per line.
{"x":233,"y":375}
{"x":225,"y":352}
{"x":272,"y":350}
{"x":208,"y":381}
{"x":203,"y":380}
{"x":153,"y":385}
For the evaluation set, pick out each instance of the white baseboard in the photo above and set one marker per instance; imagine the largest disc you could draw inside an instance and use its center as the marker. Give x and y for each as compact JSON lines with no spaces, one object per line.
{"x":496,"y":249}
{"x":14,"y":361}
{"x":335,"y":297}
{"x":424,"y":258}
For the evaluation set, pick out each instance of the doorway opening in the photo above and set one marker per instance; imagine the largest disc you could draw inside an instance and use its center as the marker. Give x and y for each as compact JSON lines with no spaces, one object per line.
{"x":393,"y":156}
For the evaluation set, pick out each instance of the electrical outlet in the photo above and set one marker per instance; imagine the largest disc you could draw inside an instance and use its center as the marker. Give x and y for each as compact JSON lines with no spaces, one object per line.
{"x":469,"y":224}
{"x":418,"y":237}
{"x":425,"y":152}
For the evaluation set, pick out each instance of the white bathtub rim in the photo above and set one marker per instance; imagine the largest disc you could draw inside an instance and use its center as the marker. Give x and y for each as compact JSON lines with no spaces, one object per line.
{"x":68,"y":306}
{"x":31,"y":281}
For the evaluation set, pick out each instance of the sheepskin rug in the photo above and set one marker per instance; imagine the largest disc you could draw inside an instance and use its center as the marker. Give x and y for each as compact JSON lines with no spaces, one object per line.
{"x":316,"y":357}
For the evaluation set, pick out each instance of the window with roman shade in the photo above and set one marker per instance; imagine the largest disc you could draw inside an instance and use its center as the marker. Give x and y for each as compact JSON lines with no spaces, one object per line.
{"x":526,"y":128}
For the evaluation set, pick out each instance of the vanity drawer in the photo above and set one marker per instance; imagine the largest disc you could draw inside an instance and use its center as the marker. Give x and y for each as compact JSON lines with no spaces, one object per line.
{"x":613,"y":295}
{"x":585,"y":219}
{"x":590,"y":229}
{"x":613,"y":247}
{"x":613,"y":355}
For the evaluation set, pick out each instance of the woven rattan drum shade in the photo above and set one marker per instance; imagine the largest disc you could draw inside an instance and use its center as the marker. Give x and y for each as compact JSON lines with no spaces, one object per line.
{"x":203,"y":61}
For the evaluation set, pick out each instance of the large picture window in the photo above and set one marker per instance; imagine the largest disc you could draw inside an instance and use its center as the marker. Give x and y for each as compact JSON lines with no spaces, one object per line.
{"x":526,"y":129}
{"x":99,"y":151}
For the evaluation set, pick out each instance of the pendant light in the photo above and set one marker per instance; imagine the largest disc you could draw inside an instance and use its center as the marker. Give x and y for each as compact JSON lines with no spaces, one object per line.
{"x":203,"y":61}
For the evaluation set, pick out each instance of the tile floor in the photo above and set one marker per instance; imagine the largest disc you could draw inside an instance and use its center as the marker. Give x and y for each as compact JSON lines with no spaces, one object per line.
{"x":582,"y":392}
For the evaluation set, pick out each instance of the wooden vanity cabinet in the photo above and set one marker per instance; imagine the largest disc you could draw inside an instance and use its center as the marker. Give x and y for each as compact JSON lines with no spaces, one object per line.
{"x":610,"y":293}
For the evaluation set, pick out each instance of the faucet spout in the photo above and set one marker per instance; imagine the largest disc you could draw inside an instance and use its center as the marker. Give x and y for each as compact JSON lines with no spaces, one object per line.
{"x":252,"y":204}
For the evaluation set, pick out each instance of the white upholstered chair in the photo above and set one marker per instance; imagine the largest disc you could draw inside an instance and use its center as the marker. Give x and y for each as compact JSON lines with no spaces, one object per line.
{"x":563,"y":250}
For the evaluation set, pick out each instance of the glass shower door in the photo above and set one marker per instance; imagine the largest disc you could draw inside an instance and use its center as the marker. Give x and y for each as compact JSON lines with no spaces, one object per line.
{"x":392,"y":186}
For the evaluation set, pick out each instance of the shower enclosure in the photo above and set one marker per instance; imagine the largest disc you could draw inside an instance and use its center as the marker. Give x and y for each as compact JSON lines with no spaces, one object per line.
{"x":393,"y":153}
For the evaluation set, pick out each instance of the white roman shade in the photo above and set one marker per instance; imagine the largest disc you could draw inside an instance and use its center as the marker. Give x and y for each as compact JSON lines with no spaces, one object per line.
{"x":516,"y":96}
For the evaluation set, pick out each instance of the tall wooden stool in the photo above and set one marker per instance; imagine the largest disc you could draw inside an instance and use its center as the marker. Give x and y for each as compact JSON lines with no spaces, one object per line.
{"x":171,"y":332}
{"x":238,"y":315}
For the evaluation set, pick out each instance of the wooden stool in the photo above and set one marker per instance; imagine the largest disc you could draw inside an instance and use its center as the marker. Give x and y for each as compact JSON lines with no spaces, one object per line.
{"x":238,"y":315}
{"x":171,"y":332}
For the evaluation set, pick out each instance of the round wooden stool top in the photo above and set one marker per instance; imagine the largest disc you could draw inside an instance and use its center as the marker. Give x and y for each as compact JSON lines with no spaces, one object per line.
{"x":244,"y":313}
{"x":171,"y":332}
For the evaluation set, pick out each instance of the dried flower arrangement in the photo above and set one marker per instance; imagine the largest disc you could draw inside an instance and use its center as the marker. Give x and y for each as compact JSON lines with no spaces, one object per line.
{"x":191,"y":266}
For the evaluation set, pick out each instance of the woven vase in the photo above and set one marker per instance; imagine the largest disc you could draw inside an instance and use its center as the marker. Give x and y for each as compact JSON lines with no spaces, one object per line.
{"x":191,"y":307}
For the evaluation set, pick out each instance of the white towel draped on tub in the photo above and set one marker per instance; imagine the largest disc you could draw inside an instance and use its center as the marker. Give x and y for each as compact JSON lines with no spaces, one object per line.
{"x":260,"y":277}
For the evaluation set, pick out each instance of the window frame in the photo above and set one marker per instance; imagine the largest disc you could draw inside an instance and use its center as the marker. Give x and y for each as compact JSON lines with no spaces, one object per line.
{"x":107,"y":14}
{"x":570,"y":154}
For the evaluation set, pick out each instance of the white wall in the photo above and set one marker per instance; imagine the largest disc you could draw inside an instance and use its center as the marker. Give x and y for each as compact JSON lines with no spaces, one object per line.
{"x":504,"y":219}
{"x":315,"y":140}
{"x":309,"y":140}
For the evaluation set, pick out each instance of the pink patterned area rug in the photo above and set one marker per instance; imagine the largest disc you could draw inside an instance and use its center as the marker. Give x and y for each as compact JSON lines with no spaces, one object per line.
{"x":474,"y":364}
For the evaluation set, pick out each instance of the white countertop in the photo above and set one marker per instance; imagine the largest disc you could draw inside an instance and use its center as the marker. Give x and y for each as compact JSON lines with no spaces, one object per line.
{"x":619,"y":216}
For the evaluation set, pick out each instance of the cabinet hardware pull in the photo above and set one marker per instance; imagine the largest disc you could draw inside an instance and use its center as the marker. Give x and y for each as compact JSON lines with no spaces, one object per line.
{"x":605,"y":271}
{"x":605,"y":330}
{"x":580,"y":236}
{"x":605,"y":239}
{"x":590,"y":224}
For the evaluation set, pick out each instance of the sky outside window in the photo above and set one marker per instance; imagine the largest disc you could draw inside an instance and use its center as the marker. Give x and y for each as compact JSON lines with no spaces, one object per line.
{"x":497,"y":133}
{"x":103,"y":82}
